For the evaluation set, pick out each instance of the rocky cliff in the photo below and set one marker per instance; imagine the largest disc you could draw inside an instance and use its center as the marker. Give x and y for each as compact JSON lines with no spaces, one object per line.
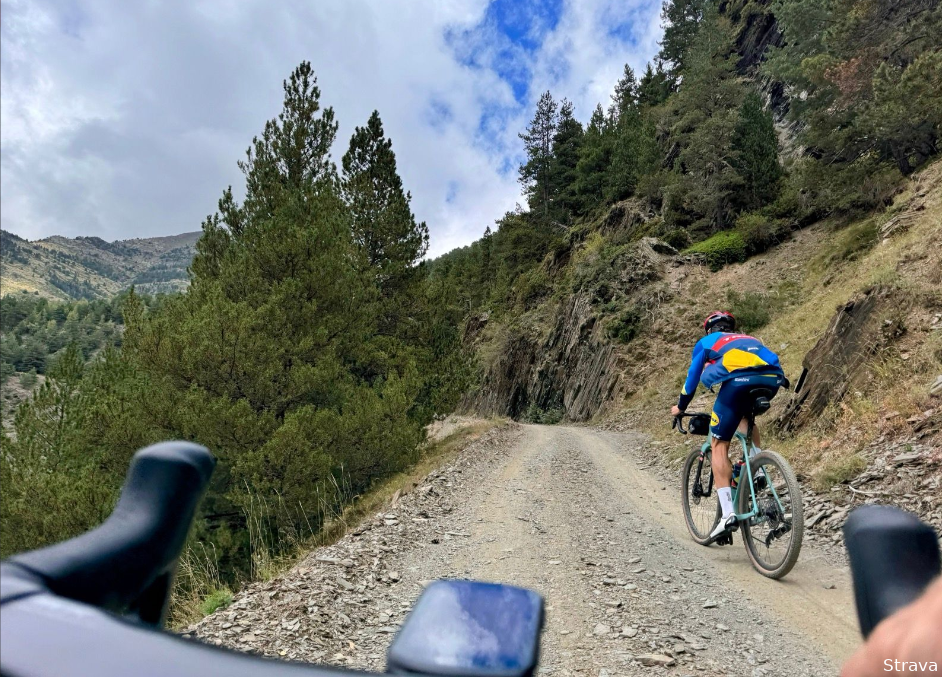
{"x":575,"y":363}
{"x":574,"y":369}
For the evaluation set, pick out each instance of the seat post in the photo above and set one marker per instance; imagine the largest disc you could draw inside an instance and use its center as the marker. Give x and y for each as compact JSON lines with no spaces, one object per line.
{"x":751,"y":422}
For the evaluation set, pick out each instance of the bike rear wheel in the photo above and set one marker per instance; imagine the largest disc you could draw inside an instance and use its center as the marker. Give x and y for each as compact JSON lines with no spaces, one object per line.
{"x":701,"y":513}
{"x":773,"y":537}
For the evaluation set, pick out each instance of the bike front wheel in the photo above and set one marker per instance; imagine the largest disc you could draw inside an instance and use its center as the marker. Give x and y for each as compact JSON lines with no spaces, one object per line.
{"x":773,"y":536}
{"x":701,"y":507}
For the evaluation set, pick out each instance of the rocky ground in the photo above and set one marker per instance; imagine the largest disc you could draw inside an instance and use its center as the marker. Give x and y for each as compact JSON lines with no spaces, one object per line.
{"x":576,"y":514}
{"x":905,"y":472}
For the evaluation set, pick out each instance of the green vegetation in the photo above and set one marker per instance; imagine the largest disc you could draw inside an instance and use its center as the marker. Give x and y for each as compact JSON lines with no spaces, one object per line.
{"x":217,"y":599}
{"x":723,"y":248}
{"x":841,"y":469}
{"x":752,"y":310}
{"x":849,"y":244}
{"x":309,"y":352}
{"x":625,"y":326}
{"x":34,"y":330}
{"x":549,"y":416}
{"x":694,"y":144}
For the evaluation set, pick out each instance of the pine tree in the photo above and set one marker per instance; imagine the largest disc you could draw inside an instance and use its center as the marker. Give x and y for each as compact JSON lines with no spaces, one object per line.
{"x":567,"y":145}
{"x":271,"y":357}
{"x":702,"y":120}
{"x":756,"y":153}
{"x":384,"y":228}
{"x":592,"y":170}
{"x":653,"y":89}
{"x":625,"y":99}
{"x":626,"y":123}
{"x":681,"y":20}
{"x":486,"y":272}
{"x":538,"y":143}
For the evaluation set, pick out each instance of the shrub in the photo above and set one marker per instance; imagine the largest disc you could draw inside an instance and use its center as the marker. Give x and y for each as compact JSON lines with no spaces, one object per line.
{"x":217,"y":599}
{"x":846,"y":189}
{"x":838,"y":471}
{"x":752,"y":310}
{"x":758,"y":231}
{"x":625,"y":327}
{"x":850,"y":243}
{"x":532,"y":286}
{"x":28,"y":379}
{"x":723,"y":248}
{"x":536,"y":414}
{"x":678,"y":238}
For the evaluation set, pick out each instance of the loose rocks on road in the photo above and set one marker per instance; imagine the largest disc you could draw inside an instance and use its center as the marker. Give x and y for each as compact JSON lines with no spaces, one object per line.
{"x":549,"y":508}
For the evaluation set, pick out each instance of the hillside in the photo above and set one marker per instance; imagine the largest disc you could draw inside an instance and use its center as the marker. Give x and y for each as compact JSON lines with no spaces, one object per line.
{"x":858,"y":304}
{"x":89,"y":268}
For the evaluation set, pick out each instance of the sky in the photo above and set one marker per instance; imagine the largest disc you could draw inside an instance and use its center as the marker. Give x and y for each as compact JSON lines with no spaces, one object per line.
{"x":126,"y":119}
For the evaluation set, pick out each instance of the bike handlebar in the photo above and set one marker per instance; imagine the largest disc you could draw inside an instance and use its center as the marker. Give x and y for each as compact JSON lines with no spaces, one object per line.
{"x":126,"y":565}
{"x":50,"y":625}
{"x":893,"y":557}
{"x":678,"y":422}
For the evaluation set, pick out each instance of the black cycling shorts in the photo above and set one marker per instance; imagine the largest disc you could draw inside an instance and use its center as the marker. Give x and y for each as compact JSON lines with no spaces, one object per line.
{"x":733,"y":403}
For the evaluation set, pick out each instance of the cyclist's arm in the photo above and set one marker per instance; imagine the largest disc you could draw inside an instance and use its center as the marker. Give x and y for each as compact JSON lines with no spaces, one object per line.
{"x":697,"y":361}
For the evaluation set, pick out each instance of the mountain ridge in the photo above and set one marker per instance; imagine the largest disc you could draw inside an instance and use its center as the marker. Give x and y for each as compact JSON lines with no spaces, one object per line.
{"x":63,"y":268}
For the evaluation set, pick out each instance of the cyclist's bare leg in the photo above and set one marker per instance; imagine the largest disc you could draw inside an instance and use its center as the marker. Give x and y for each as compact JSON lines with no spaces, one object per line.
{"x":722,"y":468}
{"x":723,"y":479}
{"x":744,"y":428}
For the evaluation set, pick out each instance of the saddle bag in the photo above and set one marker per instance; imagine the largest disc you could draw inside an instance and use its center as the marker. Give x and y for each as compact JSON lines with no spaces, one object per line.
{"x":699,"y":424}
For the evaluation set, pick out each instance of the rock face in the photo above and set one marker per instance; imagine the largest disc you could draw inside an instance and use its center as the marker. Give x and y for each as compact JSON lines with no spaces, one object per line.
{"x":574,"y":369}
{"x":859,"y":329}
{"x":759,"y":32}
{"x":574,"y":366}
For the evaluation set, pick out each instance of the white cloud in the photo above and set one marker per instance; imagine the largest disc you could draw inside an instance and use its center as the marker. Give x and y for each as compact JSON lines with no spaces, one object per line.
{"x":126,"y":119}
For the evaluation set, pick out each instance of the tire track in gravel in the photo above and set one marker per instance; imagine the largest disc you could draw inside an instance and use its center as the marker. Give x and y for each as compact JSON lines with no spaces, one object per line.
{"x":567,"y":512}
{"x":606,"y":546}
{"x":825,"y":616}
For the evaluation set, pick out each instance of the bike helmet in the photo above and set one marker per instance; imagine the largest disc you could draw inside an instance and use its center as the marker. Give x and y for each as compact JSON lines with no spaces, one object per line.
{"x":719,"y":320}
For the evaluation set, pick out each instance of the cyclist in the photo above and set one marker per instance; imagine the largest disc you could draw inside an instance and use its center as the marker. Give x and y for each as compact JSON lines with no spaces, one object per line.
{"x":737,"y":363}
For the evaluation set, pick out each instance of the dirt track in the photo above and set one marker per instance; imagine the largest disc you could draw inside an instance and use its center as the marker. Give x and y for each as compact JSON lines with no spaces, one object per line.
{"x":568,"y":512}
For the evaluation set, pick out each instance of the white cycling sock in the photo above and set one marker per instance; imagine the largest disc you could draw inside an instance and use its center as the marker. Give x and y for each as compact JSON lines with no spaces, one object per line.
{"x":726,"y":501}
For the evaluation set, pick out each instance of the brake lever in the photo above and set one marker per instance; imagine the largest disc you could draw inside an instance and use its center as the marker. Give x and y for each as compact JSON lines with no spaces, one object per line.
{"x":678,"y":424}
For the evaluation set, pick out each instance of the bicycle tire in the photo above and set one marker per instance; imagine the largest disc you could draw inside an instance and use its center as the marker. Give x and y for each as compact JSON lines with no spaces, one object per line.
{"x":686,"y":479}
{"x":782,"y":568}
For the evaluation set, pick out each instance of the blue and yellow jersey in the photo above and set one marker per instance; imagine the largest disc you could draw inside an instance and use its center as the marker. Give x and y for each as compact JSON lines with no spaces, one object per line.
{"x":720,"y":356}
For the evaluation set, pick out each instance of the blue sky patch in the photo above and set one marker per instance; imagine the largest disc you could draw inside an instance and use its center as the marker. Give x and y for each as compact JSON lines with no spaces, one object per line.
{"x":506,"y":39}
{"x":72,"y":20}
{"x":438,"y":114}
{"x":452,"y":192}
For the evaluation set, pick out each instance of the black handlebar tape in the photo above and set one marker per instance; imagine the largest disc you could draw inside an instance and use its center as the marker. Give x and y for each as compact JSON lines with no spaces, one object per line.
{"x":127,"y":564}
{"x":893,"y":558}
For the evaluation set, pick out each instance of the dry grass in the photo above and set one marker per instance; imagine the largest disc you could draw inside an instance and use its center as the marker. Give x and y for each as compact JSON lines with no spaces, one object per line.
{"x":433,"y":456}
{"x":198,"y":589}
{"x":815,"y":272}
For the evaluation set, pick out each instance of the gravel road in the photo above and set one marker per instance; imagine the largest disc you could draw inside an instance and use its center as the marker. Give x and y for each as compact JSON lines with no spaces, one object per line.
{"x":569,"y":512}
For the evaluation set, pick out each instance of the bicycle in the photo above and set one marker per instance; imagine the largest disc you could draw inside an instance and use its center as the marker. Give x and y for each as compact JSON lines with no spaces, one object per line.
{"x":95,"y":604}
{"x":766,"y":497}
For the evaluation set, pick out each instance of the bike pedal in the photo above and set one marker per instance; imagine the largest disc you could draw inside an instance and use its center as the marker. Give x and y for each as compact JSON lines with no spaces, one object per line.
{"x":726,"y":539}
